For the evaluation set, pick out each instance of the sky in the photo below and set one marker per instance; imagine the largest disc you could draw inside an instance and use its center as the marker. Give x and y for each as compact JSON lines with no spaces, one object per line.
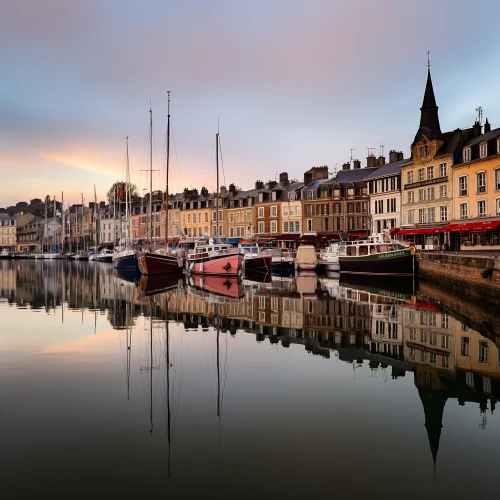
{"x":290,"y":84}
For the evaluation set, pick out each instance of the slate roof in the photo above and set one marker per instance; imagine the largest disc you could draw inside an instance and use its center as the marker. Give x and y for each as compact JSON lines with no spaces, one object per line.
{"x":493,"y":134}
{"x":393,"y":168}
{"x":314,"y":185}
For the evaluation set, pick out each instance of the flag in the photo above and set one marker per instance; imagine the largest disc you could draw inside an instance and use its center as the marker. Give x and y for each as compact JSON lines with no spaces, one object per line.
{"x":122,"y":190}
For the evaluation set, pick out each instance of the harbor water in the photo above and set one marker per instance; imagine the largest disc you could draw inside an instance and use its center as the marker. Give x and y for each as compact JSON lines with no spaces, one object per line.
{"x":269,"y":387}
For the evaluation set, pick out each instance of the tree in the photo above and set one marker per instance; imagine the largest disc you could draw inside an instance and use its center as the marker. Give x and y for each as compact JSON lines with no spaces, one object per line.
{"x":117,"y":188}
{"x":21,"y":204}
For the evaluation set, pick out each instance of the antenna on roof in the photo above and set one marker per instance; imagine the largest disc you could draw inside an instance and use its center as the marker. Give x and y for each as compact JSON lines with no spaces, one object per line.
{"x":350,"y":161}
{"x":369,"y":152}
{"x":480,"y":115}
{"x":335,"y":170}
{"x":381,"y":150}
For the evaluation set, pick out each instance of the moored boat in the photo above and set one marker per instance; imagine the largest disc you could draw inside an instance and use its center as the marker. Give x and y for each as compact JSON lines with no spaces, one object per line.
{"x":329,"y":258}
{"x":216,"y":260}
{"x":378,"y":255}
{"x":307,"y":259}
{"x":160,"y":262}
{"x":125,"y":258}
{"x":254,"y":259}
{"x":282,"y":261}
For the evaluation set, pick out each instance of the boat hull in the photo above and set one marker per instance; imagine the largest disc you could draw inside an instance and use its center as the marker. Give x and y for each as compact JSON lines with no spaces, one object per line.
{"x":329,"y":266}
{"x":282,"y":267}
{"x":260,"y":263}
{"x":220,"y":285}
{"x":398,"y":263}
{"x":157,"y":263}
{"x":125,"y":262}
{"x":217,"y":265}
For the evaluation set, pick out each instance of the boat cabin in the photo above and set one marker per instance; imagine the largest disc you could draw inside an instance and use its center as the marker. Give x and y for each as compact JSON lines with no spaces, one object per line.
{"x":367,"y":247}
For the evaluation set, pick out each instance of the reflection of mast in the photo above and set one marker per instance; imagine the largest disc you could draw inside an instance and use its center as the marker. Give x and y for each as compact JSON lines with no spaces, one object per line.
{"x":129,"y":347}
{"x":151,"y":367}
{"x":168,"y":389}
{"x":218,"y":362}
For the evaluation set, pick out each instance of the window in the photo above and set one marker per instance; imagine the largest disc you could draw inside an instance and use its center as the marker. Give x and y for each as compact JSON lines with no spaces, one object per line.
{"x":274,"y":226}
{"x":432,"y":358}
{"x":421,"y":195}
{"x":430,"y":193}
{"x":274,"y":211}
{"x":430,"y":215}
{"x":421,"y":174}
{"x":464,"y":346}
{"x":497,"y":179}
{"x":231,"y":217}
{"x":261,"y":227}
{"x":249,"y":216}
{"x":261,"y":212}
{"x":291,"y":196}
{"x":466,"y":155}
{"x":286,"y":227}
{"x":391,"y":205}
{"x":199,"y":218}
{"x":462,"y":186}
{"x":206,"y":216}
{"x":483,"y":150}
{"x":379,"y":207}
{"x":481,"y":208}
{"x":444,"y":361}
{"x":284,"y":210}
{"x":444,"y":342}
{"x":443,"y":191}
{"x":464,"y":210}
{"x":483,"y":352}
{"x":273,"y":195}
{"x":444,"y":214}
{"x":410,"y":177}
{"x":481,"y":182}
{"x":421,"y":216}
{"x":424,"y":150}
{"x":444,"y":321}
{"x":309,"y":225}
{"x":411,"y":216}
{"x":411,"y":196}
{"x":497,"y":203}
{"x":442,"y":170}
{"x":430,"y":172}
{"x":189,"y":218}
{"x":336,"y":194}
{"x":194,"y":232}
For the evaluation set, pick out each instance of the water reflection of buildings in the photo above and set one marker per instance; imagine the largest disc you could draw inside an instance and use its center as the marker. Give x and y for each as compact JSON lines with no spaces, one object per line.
{"x":449,"y":359}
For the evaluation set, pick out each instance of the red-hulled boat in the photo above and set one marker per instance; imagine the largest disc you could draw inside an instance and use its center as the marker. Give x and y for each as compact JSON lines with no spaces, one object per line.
{"x":160,"y":262}
{"x":215,"y":260}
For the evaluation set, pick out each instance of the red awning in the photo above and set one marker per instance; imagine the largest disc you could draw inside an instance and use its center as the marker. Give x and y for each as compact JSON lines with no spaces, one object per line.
{"x":288,"y":237}
{"x":393,"y":230}
{"x":307,"y":238}
{"x":427,"y":230}
{"x":263,"y":241}
{"x":327,"y":236}
{"x":490,"y":225}
{"x":357,"y":234}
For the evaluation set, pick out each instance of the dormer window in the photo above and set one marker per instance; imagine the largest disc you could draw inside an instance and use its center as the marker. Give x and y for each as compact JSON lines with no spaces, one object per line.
{"x":483,"y":150}
{"x":336,"y":194}
{"x":498,"y":146}
{"x":424,"y":150}
{"x":273,"y":196}
{"x":261,"y":197}
{"x":466,"y":154}
{"x":291,"y":196}
{"x":350,"y":193}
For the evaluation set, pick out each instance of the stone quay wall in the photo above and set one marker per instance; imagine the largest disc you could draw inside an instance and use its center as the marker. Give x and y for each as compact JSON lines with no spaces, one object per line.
{"x":462,"y":274}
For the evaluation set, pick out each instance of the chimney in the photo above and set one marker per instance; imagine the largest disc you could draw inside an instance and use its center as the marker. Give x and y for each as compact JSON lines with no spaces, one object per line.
{"x":232,"y":188}
{"x":272,"y":184}
{"x":319,"y":173}
{"x":102,"y":204}
{"x":91,"y":205}
{"x":476,"y":129}
{"x":393,"y":156}
{"x":308,"y":178}
{"x":487,"y":126}
{"x":381,"y":161}
{"x":223,"y":190}
{"x":284,"y":179}
{"x":259,"y":185}
{"x":399,"y":156}
{"x":356,"y":164}
{"x":371,"y":161}
{"x":204,"y":191}
{"x":346,"y":166}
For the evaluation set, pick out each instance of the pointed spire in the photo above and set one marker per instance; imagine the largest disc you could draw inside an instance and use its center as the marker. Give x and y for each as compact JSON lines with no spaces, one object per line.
{"x":429,"y":118}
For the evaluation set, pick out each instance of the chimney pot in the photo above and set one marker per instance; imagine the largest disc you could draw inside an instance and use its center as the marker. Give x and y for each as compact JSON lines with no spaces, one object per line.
{"x":487,"y":126}
{"x":346,"y":166}
{"x":381,"y":161}
{"x":476,"y":129}
{"x":356,"y":164}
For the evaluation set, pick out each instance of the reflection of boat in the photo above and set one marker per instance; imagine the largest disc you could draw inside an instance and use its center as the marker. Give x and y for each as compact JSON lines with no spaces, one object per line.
{"x":220,"y":285}
{"x":132,"y":275}
{"x":282,"y":261}
{"x":258,"y":277}
{"x":398,"y":287}
{"x":378,"y":255}
{"x":151,"y":285}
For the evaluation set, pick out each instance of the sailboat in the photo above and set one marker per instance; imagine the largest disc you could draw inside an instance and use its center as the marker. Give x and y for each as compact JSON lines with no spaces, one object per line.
{"x":216,"y":259}
{"x":161,"y":261}
{"x":125,"y":256}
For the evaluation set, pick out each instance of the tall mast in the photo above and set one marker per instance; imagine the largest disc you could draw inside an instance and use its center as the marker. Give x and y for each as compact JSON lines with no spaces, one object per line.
{"x":217,"y":192}
{"x":168,"y":161}
{"x":63,"y":223}
{"x":150,"y":173}
{"x":95,"y":219}
{"x":127,"y":197}
{"x":168,"y":388}
{"x":45,"y":229}
{"x":83,"y":235}
{"x":54,"y":225}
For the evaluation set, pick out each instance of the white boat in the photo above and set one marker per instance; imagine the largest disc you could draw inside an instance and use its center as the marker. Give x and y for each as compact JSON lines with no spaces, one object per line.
{"x":105,"y":255}
{"x":282,"y":261}
{"x":5,"y":254}
{"x":82,"y":255}
{"x":306,"y":259}
{"x":329,"y":257}
{"x":254,"y":259}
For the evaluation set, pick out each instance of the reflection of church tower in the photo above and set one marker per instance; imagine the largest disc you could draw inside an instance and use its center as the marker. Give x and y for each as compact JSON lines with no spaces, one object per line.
{"x":433,"y":403}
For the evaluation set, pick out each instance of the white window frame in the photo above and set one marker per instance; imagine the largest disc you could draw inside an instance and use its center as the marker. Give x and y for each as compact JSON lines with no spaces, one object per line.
{"x":274,"y":226}
{"x":431,"y":193}
{"x":421,"y":174}
{"x":463,"y":214}
{"x":431,"y":214}
{"x":411,"y":196}
{"x":466,"y":155}
{"x":411,"y":216}
{"x":260,"y":213}
{"x":483,"y":149}
{"x":291,"y":196}
{"x":443,"y":170}
{"x":273,"y":195}
{"x":421,"y":216}
{"x":409,"y":177}
{"x":261,"y":227}
{"x":274,"y":211}
{"x":284,"y":210}
{"x":481,"y":182}
{"x":497,"y":206}
{"x":421,"y":195}
{"x":485,"y":211}
{"x":430,"y":172}
{"x":497,"y":179}
{"x":463,"y":191}
{"x":309,"y":224}
{"x":443,"y":191}
{"x":443,"y":212}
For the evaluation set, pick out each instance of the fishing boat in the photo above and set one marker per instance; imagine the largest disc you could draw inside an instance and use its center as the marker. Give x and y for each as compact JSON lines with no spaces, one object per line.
{"x":307,"y":259}
{"x":125,"y":256}
{"x":161,"y":261}
{"x":377,"y":255}
{"x":105,"y":255}
{"x":282,"y":261}
{"x":254,"y":259}
{"x":329,"y":258}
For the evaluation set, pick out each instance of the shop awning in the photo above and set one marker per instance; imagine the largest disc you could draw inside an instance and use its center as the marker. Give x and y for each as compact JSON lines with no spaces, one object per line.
{"x":307,"y":238}
{"x":427,"y":230}
{"x":328,"y":236}
{"x":232,"y":241}
{"x":357,"y":234}
{"x":288,"y":237}
{"x":490,"y":225}
{"x":393,"y":231}
{"x":263,"y":241}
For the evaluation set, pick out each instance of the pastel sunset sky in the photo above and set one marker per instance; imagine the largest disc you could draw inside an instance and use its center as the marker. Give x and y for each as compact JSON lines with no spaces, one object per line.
{"x":294,"y":84}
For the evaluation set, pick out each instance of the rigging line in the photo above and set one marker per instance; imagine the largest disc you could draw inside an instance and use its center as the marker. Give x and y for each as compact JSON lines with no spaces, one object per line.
{"x":175,"y":148}
{"x":222,"y":162}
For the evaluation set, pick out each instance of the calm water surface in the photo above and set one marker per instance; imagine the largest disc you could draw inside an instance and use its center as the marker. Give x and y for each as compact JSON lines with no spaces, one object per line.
{"x":291,"y":388}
